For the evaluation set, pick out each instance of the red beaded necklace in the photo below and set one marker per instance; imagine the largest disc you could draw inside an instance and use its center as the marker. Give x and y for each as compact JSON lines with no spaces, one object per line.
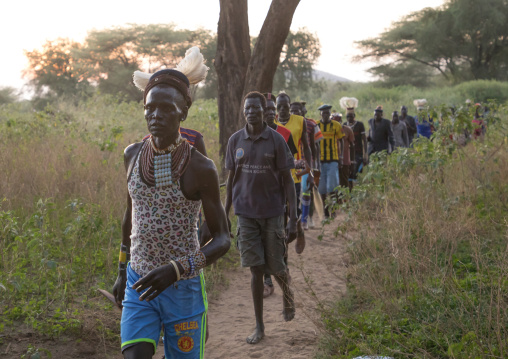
{"x":180,"y":156}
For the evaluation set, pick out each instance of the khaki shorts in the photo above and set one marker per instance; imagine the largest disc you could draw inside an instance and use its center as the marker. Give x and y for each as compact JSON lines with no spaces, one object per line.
{"x":262,"y":242}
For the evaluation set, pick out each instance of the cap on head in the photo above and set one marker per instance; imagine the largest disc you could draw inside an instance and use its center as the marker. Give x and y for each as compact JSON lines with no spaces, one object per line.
{"x":379,"y":109}
{"x":172,"y":78}
{"x":324,"y":107}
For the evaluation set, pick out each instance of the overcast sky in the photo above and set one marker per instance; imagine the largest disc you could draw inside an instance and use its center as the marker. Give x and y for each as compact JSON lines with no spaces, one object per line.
{"x":26,"y":25}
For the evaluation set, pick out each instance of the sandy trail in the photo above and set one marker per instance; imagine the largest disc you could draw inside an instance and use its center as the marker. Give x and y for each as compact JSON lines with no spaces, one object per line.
{"x":318,"y":275}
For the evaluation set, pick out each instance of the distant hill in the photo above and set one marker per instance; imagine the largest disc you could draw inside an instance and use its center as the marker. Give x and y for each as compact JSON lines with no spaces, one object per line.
{"x":321,"y":75}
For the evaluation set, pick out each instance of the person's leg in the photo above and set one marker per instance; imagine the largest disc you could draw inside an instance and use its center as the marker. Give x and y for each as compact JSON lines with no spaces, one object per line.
{"x":288,"y":304}
{"x":300,"y":235}
{"x":323,"y":186}
{"x":333,"y":181}
{"x":184,"y":313}
{"x":256,"y":286}
{"x":311,"y":209}
{"x":305,"y":200}
{"x":268,"y":286}
{"x":275,"y":251}
{"x":252,"y":255}
{"x":140,"y":324}
{"x":142,"y":350}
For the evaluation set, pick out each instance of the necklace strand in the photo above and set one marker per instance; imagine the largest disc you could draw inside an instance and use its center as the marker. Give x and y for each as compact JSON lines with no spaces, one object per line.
{"x":162,"y":168}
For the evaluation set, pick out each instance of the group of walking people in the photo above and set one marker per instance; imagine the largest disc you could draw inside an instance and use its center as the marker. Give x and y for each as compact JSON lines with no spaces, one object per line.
{"x":273,"y":165}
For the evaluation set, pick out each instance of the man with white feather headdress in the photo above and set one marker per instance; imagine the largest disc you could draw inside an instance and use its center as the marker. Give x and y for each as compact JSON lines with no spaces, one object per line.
{"x":361,"y":159}
{"x":167,"y":180}
{"x":424,"y":125}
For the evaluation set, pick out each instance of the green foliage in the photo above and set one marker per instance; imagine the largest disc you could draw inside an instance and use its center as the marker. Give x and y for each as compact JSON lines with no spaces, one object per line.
{"x":51,"y":260}
{"x":106,"y":59}
{"x":461,"y":40}
{"x":61,"y":207}
{"x":428,"y":267}
{"x":300,"y":53}
{"x":8,"y":95}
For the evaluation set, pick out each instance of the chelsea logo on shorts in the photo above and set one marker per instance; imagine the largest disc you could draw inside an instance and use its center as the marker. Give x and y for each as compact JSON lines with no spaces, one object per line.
{"x":239,"y":153}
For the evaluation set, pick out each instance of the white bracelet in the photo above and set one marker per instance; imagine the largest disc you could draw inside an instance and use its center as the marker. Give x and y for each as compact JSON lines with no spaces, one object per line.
{"x":176,"y":270}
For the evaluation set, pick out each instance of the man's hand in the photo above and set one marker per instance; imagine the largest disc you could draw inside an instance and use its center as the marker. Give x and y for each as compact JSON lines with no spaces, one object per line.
{"x":119,"y":287}
{"x":291,"y":230}
{"x":155,"y":281}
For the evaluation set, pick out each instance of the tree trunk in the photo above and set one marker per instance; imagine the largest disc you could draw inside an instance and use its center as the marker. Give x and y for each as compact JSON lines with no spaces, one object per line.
{"x":231,"y":61}
{"x":237,"y":72}
{"x":266,"y":55}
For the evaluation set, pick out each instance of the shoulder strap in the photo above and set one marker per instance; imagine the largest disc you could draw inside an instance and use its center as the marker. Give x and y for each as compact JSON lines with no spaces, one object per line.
{"x":133,"y":160}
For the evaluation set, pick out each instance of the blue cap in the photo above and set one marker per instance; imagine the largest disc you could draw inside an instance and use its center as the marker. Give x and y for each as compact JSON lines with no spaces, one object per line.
{"x":324,"y":107}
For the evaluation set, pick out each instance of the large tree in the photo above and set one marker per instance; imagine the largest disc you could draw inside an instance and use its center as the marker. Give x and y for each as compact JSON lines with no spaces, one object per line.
{"x":461,"y":40}
{"x":108,"y":57}
{"x":240,"y":71}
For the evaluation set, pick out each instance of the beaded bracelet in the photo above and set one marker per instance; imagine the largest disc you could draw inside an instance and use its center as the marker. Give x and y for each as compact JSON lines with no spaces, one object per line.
{"x":192,"y":263}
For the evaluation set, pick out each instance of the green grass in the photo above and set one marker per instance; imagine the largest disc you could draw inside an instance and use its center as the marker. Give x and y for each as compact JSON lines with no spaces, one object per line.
{"x":62,"y":200}
{"x":429,"y":261}
{"x":60,"y":213}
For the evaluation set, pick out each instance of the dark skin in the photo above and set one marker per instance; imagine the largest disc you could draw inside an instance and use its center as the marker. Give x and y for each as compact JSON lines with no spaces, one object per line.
{"x":350,"y":117}
{"x":403,"y":115}
{"x":316,"y":144}
{"x":253,"y":112}
{"x":351,"y":144}
{"x":164,"y":110}
{"x":297,"y":109}
{"x":283,"y":109}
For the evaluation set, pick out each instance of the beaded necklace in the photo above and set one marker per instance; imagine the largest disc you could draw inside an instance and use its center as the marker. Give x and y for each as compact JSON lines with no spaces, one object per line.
{"x":164,"y":167}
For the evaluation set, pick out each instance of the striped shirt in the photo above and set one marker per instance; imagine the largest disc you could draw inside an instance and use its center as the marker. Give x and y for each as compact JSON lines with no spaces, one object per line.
{"x":332,"y":132}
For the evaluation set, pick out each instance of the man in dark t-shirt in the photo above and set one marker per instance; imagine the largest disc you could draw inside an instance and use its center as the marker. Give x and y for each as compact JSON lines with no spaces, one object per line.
{"x":380,"y":133}
{"x":410,"y":123}
{"x":259,"y":164}
{"x":358,"y":128}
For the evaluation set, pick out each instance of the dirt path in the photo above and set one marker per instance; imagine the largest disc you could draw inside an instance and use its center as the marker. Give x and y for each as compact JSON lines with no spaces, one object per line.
{"x":317,"y":275}
{"x":231,"y":316}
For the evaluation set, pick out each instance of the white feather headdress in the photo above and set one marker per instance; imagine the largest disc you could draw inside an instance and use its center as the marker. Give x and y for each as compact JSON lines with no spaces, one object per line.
{"x":420,"y":103}
{"x":192,"y":65}
{"x":349,"y":104}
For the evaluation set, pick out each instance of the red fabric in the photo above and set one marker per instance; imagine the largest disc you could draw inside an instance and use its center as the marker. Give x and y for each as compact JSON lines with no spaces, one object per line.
{"x":284,"y":132}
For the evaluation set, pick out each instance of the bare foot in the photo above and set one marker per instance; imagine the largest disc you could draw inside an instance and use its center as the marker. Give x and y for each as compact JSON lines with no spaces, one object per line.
{"x":256,"y":337}
{"x":288,"y":305}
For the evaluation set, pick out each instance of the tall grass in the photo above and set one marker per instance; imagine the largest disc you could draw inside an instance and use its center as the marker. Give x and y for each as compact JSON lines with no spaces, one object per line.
{"x":429,"y":263}
{"x":62,"y":196}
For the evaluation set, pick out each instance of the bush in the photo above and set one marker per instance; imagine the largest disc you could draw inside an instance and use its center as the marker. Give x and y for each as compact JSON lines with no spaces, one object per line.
{"x":429,"y":262}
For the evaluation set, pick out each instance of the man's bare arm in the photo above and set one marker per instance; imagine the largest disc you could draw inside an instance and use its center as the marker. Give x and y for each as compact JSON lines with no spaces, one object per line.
{"x":229,"y":196}
{"x":215,"y":216}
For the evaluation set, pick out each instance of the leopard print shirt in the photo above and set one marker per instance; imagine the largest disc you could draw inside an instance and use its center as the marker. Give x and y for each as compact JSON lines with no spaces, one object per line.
{"x":164,"y":224}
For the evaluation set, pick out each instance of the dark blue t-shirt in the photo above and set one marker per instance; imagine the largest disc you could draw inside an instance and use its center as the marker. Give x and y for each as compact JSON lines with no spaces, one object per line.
{"x":258,"y":190}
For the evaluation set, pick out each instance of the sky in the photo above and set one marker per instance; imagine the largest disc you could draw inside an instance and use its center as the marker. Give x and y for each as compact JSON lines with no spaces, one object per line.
{"x":338,"y":24}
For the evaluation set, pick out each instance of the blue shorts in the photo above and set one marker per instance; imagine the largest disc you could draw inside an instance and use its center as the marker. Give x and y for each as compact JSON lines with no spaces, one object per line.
{"x":182,"y":309}
{"x":329,"y":179}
